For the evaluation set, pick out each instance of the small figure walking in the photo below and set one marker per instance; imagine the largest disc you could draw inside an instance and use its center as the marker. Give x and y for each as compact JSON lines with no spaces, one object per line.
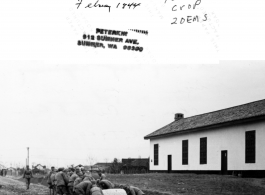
{"x":27,"y":175}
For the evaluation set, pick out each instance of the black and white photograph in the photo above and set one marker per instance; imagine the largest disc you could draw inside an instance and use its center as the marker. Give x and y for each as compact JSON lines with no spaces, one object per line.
{"x":121,"y":97}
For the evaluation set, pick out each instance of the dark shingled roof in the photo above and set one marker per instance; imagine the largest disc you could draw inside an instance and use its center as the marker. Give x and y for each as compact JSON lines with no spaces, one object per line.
{"x":241,"y":112}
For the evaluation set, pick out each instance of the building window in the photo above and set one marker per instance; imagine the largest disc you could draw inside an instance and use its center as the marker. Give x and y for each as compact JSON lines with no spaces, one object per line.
{"x":250,"y":147}
{"x":156,"y":154}
{"x":185,"y":152}
{"x":203,"y":150}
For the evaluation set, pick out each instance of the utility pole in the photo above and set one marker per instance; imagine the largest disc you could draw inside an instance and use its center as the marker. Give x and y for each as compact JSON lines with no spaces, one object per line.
{"x":28,"y":155}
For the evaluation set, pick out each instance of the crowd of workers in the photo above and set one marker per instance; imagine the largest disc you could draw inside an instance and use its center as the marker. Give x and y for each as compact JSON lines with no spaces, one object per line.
{"x":79,"y":181}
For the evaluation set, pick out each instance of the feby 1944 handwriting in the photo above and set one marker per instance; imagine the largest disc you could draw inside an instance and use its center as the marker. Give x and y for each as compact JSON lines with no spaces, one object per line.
{"x":176,"y":7}
{"x":97,"y":4}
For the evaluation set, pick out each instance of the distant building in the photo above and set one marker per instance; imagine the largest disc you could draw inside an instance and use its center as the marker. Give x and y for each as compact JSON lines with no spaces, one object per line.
{"x":225,"y":141}
{"x":135,"y":165}
{"x":92,"y":168}
{"x":103,"y":166}
{"x":12,"y":171}
{"x":3,"y":170}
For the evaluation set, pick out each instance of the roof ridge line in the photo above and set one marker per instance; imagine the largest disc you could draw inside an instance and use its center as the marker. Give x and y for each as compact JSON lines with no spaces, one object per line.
{"x":224,"y":109}
{"x":242,"y":111}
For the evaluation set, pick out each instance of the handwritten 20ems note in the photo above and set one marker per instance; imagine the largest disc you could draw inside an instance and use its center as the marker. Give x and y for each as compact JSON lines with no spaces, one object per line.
{"x":188,"y":18}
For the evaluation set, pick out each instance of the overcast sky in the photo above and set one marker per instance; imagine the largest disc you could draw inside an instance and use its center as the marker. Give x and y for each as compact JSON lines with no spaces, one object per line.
{"x":70,"y":114}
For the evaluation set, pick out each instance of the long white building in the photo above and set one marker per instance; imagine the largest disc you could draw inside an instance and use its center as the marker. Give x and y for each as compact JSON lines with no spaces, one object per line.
{"x":226,"y":141}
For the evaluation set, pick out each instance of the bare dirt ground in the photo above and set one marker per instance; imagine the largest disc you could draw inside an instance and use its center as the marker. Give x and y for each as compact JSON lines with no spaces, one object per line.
{"x":11,"y":186}
{"x":157,"y":184}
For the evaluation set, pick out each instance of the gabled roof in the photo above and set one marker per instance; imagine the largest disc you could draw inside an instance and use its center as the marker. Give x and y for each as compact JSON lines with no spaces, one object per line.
{"x":249,"y":111}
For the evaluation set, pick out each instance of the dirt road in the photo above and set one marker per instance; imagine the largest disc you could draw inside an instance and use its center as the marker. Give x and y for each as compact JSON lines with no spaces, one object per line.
{"x":158,"y":184}
{"x":9,"y":186}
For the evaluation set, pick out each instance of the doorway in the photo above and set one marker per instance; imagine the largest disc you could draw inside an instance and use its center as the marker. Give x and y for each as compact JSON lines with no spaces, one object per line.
{"x":224,"y":162}
{"x":169,"y":163}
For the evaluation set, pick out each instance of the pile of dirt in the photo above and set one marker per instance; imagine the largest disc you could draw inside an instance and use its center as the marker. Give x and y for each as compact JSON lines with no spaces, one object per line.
{"x":10,"y":186}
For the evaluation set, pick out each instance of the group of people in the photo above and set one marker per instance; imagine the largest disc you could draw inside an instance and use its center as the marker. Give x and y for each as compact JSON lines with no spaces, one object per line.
{"x":79,"y":181}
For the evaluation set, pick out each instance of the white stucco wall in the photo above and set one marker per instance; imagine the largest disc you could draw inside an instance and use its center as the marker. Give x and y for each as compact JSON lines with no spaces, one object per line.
{"x":231,"y":139}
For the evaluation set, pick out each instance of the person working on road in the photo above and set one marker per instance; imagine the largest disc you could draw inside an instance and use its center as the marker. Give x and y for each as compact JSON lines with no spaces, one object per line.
{"x":70,"y":172}
{"x":105,"y":184}
{"x":95,"y":190}
{"x":101,"y":176}
{"x":88,"y":176}
{"x":136,"y":191}
{"x":83,"y":188}
{"x":27,"y":175}
{"x":61,"y":182}
{"x":73,"y":177}
{"x":79,"y":179}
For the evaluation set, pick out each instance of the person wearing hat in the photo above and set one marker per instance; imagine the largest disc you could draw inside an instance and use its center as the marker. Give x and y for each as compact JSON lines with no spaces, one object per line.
{"x":73,"y":177}
{"x":79,"y":179}
{"x":53,"y":181}
{"x":83,"y":170}
{"x":88,"y":176}
{"x":61,"y":182}
{"x":27,"y":175}
{"x":50,"y":179}
{"x":71,"y":171}
{"x":67,"y":177}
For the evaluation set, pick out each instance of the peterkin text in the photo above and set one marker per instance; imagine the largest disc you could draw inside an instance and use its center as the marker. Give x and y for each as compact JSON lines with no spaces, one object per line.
{"x":106,"y":35}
